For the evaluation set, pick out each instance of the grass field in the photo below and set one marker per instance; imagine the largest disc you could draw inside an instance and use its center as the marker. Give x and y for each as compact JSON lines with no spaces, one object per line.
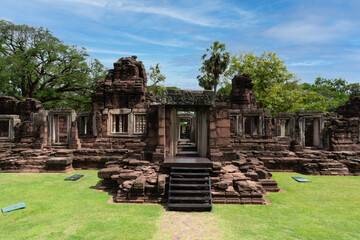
{"x":58,"y":209}
{"x":327,"y":208}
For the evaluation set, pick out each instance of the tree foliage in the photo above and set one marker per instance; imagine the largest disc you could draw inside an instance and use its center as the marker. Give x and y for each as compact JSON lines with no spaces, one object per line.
{"x":328,"y":94}
{"x":157,"y":80}
{"x":278,"y":90}
{"x":35,"y":64}
{"x":275,"y":88}
{"x":216,"y":61}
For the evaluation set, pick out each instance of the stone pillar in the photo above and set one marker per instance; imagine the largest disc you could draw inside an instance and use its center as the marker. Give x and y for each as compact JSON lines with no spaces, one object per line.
{"x":74,"y":142}
{"x":202,"y":133}
{"x":192,"y":129}
{"x":159,"y":153}
{"x":179,"y":128}
{"x":302,"y":131}
{"x":316,"y":132}
{"x":173,"y":131}
{"x":282,"y":128}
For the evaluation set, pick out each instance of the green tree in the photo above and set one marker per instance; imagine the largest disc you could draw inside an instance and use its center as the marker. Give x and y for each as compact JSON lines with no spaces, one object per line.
{"x":35,"y":64}
{"x":314,"y":101}
{"x":274,"y":86}
{"x":213,"y":66}
{"x":328,"y":94}
{"x":157,"y":80}
{"x":354,"y":89}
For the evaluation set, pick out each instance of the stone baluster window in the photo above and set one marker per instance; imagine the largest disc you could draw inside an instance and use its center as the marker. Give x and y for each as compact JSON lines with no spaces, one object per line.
{"x":140,"y":123}
{"x":86,"y":124}
{"x":120,"y":123}
{"x":283,"y":128}
{"x":125,"y":122}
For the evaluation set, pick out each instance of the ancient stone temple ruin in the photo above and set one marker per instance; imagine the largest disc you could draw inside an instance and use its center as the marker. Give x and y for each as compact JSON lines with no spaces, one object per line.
{"x":186,"y":148}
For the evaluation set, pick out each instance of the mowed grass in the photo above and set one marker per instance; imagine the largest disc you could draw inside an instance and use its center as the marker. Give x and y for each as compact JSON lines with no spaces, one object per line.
{"x":58,"y":209}
{"x":327,"y":208}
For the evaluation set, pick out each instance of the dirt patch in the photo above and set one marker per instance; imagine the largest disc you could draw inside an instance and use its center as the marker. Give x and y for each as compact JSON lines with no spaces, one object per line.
{"x":188,"y":225}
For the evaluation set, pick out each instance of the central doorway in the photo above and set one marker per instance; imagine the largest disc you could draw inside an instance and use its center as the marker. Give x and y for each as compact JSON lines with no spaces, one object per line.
{"x":188,"y":131}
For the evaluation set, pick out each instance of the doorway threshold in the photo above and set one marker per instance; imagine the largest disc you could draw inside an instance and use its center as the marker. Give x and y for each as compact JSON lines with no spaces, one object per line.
{"x":179,"y":161}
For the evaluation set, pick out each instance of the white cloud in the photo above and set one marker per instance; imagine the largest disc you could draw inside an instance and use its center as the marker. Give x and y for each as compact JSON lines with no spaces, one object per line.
{"x":309,"y":30}
{"x":182,"y":15}
{"x":93,"y":50}
{"x":308,"y":63}
{"x":168,"y":43}
{"x":205,"y":13}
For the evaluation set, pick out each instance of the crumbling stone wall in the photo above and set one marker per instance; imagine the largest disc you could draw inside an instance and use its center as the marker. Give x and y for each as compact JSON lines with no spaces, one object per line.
{"x":242,"y":93}
{"x":130,"y":172}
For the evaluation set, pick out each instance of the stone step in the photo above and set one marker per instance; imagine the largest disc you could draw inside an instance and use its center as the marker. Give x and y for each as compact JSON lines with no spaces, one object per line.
{"x":187,"y":154}
{"x":192,"y":169}
{"x":189,"y":179}
{"x":190,"y":185}
{"x":186,"y":148}
{"x":189,"y":191}
{"x":189,"y":206}
{"x":190,"y":198}
{"x":189,"y":174}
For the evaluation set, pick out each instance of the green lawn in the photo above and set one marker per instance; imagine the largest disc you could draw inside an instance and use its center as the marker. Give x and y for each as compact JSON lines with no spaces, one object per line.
{"x":327,"y":208}
{"x":58,"y":209}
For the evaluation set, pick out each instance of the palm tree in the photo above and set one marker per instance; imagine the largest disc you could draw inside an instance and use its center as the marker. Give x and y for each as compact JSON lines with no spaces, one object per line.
{"x":213,"y":66}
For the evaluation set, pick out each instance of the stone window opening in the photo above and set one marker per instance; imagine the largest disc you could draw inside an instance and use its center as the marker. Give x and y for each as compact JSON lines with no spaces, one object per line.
{"x":140,"y":123}
{"x":7,"y":123}
{"x":86,"y":124}
{"x":125,"y":122}
{"x":252,"y":126}
{"x":284,"y":127}
{"x":247,"y":124}
{"x":4,"y":128}
{"x":120,"y":123}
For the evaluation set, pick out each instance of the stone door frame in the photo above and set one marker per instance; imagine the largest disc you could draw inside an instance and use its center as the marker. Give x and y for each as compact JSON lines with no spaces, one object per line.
{"x":52,"y":128}
{"x":201,"y":133}
{"x":318,"y":123}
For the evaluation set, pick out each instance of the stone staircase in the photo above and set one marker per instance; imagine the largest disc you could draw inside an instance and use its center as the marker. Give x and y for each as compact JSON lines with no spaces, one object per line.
{"x":189,"y":189}
{"x":186,"y":148}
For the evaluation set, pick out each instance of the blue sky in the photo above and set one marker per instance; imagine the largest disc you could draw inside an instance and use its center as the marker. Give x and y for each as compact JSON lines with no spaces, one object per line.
{"x":314,"y":38}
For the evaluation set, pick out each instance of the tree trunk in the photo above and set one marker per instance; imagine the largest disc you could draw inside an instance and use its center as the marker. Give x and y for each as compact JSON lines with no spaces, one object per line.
{"x":216,"y":77}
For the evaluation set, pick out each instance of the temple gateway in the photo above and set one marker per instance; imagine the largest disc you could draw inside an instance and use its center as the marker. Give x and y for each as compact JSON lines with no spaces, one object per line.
{"x":186,"y":148}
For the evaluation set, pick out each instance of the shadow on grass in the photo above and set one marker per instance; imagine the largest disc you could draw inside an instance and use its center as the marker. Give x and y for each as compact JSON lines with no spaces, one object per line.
{"x":97,"y":186}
